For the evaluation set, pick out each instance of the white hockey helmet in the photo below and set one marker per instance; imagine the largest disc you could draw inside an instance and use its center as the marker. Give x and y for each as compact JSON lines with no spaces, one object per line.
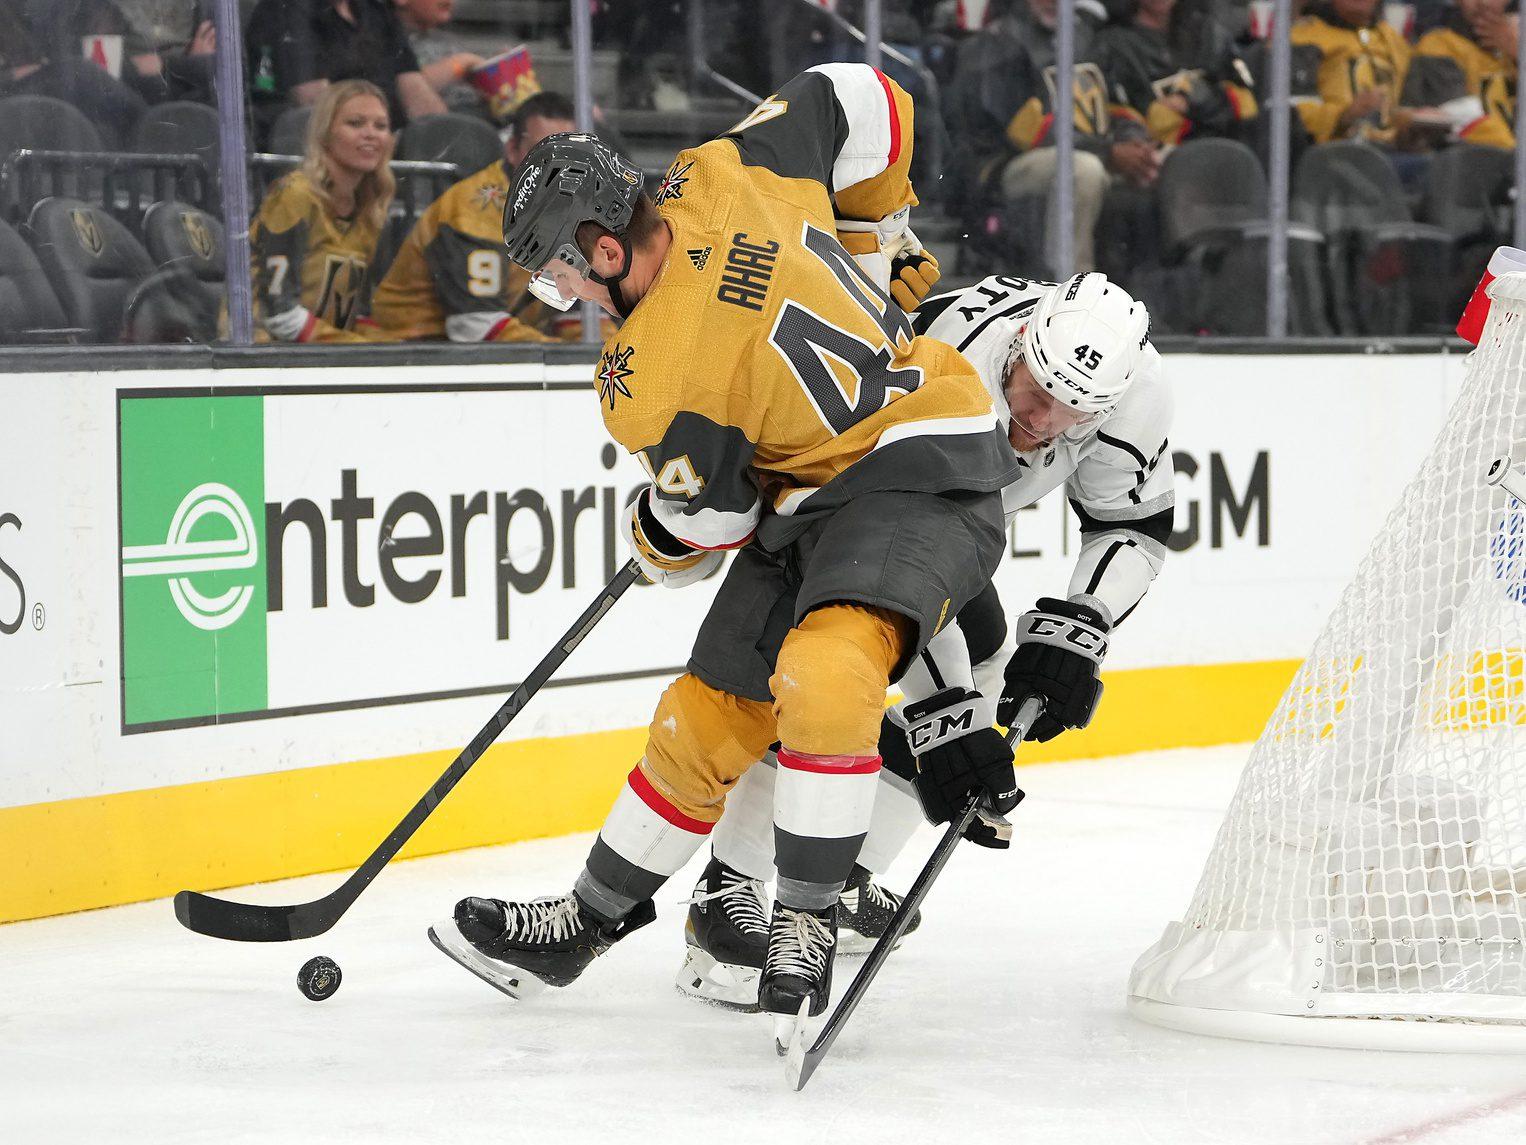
{"x":1085,"y":341}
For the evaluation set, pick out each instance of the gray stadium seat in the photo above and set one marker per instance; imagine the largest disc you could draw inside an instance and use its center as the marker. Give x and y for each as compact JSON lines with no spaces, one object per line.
{"x":92,"y":260}
{"x":42,"y":123}
{"x":1467,"y":194}
{"x":469,"y":143}
{"x":1212,"y":202}
{"x":29,"y":311}
{"x":180,"y":235}
{"x":179,"y":128}
{"x":1386,"y":272}
{"x":289,"y":135}
{"x":171,"y":306}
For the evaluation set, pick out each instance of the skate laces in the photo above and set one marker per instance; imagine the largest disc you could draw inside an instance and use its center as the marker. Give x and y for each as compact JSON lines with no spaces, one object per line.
{"x":744,"y":901}
{"x":543,"y":920}
{"x":879,"y":895}
{"x":800,"y":944}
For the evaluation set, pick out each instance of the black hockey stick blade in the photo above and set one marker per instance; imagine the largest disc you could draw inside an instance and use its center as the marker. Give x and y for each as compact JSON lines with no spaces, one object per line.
{"x":248,"y":922}
{"x":800,"y":1063}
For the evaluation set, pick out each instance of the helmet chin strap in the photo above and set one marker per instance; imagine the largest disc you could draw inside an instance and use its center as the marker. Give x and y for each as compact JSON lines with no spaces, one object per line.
{"x":612,"y":282}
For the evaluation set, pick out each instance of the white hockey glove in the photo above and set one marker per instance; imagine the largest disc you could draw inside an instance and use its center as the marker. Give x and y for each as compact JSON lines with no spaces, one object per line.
{"x":890,"y":252}
{"x":663,"y":558}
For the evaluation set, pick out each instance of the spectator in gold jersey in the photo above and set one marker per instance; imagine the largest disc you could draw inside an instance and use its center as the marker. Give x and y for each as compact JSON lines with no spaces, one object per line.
{"x":452,"y":278}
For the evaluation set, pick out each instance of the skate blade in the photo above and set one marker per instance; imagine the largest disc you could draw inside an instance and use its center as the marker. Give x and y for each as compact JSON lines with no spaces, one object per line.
{"x":799,"y":1042}
{"x":719,"y":983}
{"x":500,"y":976}
{"x":792,"y":1028}
{"x":852,"y":944}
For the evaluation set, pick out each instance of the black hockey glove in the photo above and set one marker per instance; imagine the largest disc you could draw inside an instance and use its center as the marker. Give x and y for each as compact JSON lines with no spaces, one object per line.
{"x":1059,"y":647}
{"x":957,"y":757}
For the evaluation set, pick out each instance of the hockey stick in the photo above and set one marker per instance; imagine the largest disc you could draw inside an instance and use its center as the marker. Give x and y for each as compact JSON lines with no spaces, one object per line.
{"x":247,"y":922}
{"x":799,"y":1062}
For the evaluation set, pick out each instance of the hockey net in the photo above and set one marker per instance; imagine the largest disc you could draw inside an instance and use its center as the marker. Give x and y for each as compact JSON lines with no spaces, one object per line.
{"x":1372,"y":863}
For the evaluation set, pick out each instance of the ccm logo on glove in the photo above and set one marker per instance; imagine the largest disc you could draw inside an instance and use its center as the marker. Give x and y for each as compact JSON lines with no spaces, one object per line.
{"x":948,"y":724}
{"x":1058,"y":630}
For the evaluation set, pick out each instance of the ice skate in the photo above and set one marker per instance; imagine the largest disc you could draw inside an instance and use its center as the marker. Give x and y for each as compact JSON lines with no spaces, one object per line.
{"x":864,"y":911}
{"x":727,"y":933}
{"x":521,"y":948}
{"x":797,"y":975}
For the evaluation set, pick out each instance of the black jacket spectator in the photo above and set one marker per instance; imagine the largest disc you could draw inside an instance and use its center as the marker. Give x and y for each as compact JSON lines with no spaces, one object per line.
{"x":289,"y":43}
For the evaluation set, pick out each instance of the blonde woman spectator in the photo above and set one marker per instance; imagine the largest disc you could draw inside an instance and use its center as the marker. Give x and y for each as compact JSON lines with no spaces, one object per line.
{"x":313,"y":241}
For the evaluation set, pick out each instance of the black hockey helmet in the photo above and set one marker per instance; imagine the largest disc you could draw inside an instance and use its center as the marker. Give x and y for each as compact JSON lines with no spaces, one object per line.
{"x":566,"y":180}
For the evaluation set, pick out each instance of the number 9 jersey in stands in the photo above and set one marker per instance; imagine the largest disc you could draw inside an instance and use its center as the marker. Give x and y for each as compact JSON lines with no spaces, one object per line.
{"x":763,"y":362}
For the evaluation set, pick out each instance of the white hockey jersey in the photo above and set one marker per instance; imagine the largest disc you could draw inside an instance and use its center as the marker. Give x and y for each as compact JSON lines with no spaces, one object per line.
{"x":1116,"y":471}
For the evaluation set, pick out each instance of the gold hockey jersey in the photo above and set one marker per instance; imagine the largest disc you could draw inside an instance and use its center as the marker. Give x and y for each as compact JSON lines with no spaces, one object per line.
{"x":763,"y":364}
{"x":1352,"y":61}
{"x":452,"y":277}
{"x":1479,"y":72}
{"x":311,"y":269}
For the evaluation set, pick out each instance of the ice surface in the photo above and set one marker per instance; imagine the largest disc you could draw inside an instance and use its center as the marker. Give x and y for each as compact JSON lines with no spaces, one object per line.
{"x":1002,"y":1019}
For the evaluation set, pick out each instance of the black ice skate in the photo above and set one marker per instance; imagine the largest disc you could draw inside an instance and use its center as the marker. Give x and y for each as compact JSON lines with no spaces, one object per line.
{"x":864,"y":911}
{"x":523,"y":947}
{"x":797,"y":975}
{"x":727,"y":933}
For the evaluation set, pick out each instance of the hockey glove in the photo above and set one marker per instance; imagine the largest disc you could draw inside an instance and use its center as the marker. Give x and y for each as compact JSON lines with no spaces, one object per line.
{"x":1060,"y":645}
{"x":663,"y":558}
{"x":957,"y":755}
{"x":912,"y":277}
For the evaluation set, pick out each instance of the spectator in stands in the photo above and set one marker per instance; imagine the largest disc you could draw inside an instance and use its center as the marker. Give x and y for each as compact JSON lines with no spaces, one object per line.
{"x":451,"y":278}
{"x":40,"y":54}
{"x":1176,"y":72}
{"x":1363,"y":64}
{"x":1465,"y":57}
{"x":1180,"y":76}
{"x":170,"y":45}
{"x":296,"y":48}
{"x":443,"y":61}
{"x":1001,"y":115}
{"x":314,"y":239}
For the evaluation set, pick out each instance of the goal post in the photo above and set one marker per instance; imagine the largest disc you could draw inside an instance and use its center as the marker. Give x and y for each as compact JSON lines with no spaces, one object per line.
{"x":1368,"y":884}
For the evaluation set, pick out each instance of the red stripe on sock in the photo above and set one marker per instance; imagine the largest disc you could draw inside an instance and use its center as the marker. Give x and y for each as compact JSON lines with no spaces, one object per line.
{"x":654,"y":799}
{"x":895,"y":119}
{"x":829,"y":764}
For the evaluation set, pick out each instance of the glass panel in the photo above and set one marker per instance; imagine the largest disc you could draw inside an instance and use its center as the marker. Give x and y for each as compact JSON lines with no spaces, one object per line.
{"x":110,"y":227}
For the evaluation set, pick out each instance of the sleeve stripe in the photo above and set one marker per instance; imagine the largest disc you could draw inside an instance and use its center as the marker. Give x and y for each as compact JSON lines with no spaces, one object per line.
{"x":895,"y":118}
{"x":1106,"y":560}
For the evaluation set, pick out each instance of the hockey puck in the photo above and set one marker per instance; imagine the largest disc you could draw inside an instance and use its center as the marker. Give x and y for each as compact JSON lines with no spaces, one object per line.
{"x":319,"y":978}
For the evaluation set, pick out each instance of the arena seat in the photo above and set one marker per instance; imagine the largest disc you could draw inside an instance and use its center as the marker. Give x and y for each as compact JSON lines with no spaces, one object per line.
{"x":178,"y":128}
{"x":42,"y":123}
{"x":29,"y":311}
{"x":1386,"y":273}
{"x":1215,"y":237}
{"x":289,"y":134}
{"x":171,"y":305}
{"x":1467,"y":194}
{"x":92,"y":260}
{"x":471,"y":144}
{"x":177,"y":234}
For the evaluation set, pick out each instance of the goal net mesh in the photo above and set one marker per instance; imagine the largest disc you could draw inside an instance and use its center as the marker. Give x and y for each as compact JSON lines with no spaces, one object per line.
{"x":1372,"y":862}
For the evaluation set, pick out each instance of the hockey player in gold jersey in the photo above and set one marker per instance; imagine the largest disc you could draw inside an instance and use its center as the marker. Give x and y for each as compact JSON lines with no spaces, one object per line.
{"x":784,"y":409}
{"x":314,"y":239}
{"x":451,"y":278}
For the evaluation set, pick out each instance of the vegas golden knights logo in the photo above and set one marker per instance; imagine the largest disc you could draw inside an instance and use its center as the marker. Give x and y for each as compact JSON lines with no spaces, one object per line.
{"x":88,"y":231}
{"x":197,"y":234}
{"x":339,"y":292}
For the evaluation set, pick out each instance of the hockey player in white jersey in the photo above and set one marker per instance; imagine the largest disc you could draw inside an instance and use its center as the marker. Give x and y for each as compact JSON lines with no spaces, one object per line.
{"x":1079,"y":389}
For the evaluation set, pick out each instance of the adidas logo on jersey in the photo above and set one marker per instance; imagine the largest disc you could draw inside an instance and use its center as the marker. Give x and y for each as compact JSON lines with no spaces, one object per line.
{"x":699,"y":256}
